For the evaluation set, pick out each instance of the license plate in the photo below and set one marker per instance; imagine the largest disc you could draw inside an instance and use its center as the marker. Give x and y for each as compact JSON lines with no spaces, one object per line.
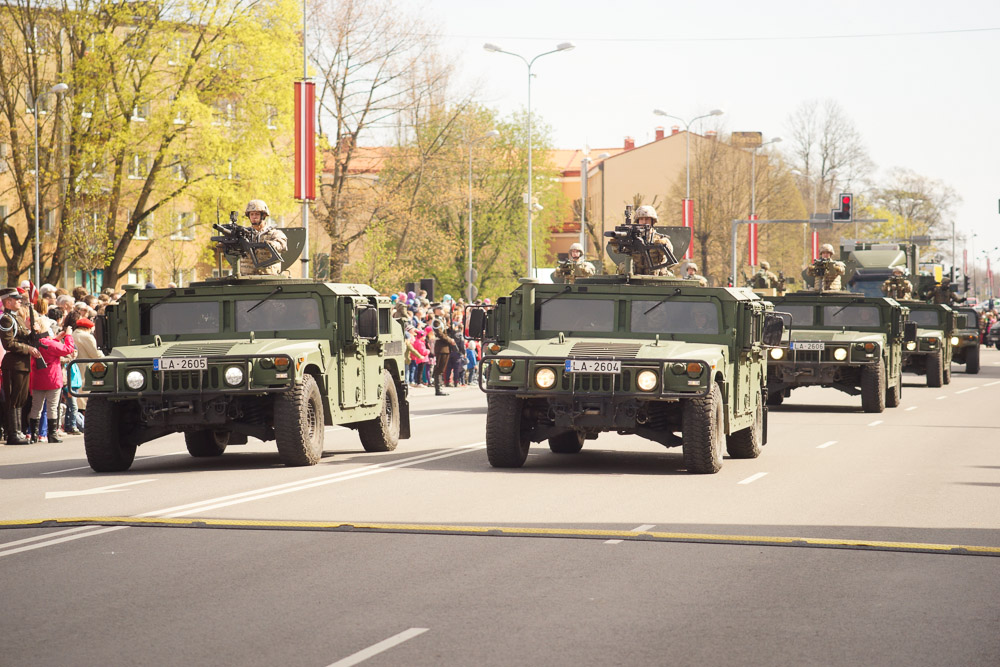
{"x":180,"y":364}
{"x":808,"y":346}
{"x":592,"y":366}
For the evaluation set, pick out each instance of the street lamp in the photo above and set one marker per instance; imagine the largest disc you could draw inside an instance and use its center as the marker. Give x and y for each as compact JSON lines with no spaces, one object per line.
{"x":688,"y":212}
{"x":492,"y":134}
{"x":58,"y":89}
{"x":493,"y":48}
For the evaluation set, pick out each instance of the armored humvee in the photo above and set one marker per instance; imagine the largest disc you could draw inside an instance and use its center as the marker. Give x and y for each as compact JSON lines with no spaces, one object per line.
{"x":965,"y":340}
{"x":267,"y":357}
{"x":662,"y":358}
{"x":931,"y":353}
{"x":841,"y":340}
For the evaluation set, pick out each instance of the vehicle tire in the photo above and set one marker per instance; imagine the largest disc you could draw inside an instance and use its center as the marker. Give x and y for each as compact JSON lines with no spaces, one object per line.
{"x":935,"y":370}
{"x":382,"y":433}
{"x":570,"y":442}
{"x":894,"y":395}
{"x":298,"y":424}
{"x":873,"y":387}
{"x":746,"y":444}
{"x":206,"y":443}
{"x":777,"y":398}
{"x":704,"y":432}
{"x":946,"y":373}
{"x":972,"y":360}
{"x":102,"y":439}
{"x":506,"y":444}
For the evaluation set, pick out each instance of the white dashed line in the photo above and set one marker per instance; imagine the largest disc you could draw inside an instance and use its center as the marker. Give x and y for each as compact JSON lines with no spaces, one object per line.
{"x":640,"y":529}
{"x":827,"y":444}
{"x":752,"y":478}
{"x":990,"y":384}
{"x":965,"y":390}
{"x":941,"y":398}
{"x":381,"y":647}
{"x":138,"y":458}
{"x":912,"y":407}
{"x":876,"y":422}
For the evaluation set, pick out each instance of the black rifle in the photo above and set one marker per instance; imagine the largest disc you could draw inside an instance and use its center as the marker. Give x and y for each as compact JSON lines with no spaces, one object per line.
{"x":781,"y":282}
{"x":638,"y":239}
{"x":243,"y":241}
{"x":820,"y":267}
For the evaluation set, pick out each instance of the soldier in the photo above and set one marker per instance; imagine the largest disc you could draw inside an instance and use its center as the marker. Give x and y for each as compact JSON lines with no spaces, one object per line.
{"x":574,"y":267}
{"x":692,"y":274}
{"x":942,"y":293}
{"x":764,"y":279}
{"x":826,"y":270}
{"x":646,"y":215}
{"x":443,"y":345}
{"x":898,"y":287}
{"x":265,"y":231}
{"x":15,"y":337}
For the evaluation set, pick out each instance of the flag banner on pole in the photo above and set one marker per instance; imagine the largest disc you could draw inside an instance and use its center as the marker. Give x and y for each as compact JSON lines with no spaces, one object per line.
{"x":965,"y":262}
{"x":815,"y":245}
{"x":689,"y":223}
{"x":305,"y":140}
{"x":752,"y":241}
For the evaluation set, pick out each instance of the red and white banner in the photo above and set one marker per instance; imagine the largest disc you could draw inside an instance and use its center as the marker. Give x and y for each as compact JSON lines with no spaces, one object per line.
{"x":752,"y":241}
{"x":815,"y":245}
{"x":965,"y":262}
{"x":305,"y":140}
{"x":689,"y":223}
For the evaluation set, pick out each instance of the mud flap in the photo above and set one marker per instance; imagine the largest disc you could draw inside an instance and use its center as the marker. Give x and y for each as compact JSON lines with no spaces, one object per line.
{"x":763,"y":430}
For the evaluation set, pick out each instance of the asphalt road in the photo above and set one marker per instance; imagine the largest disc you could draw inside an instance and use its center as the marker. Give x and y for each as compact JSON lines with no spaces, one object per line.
{"x":427,"y":556}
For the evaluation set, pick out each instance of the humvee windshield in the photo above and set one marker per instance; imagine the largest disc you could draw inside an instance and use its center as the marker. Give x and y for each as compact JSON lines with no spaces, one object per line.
{"x":801,"y":315}
{"x":680,"y":317}
{"x":967,"y":321}
{"x":577,"y":315}
{"x":851,"y":316}
{"x":870,"y":288}
{"x":924,"y":317}
{"x":274,"y":314}
{"x":187,"y":317}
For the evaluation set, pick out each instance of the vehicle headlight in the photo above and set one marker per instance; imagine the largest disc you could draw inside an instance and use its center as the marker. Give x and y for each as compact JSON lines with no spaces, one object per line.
{"x":234,"y":376}
{"x":545,"y":378}
{"x":954,"y":340}
{"x":646,"y":380}
{"x":777,"y":353}
{"x":912,"y":345}
{"x":840,"y":353}
{"x":135,"y":380}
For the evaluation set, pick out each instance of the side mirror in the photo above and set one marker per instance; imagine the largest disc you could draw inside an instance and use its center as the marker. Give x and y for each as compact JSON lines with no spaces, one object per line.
{"x":774,"y":326}
{"x":477,"y":323}
{"x":910,"y":332}
{"x":102,"y":333}
{"x":368,"y":323}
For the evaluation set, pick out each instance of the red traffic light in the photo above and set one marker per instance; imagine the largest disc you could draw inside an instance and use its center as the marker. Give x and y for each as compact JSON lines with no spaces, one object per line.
{"x":845,"y":212}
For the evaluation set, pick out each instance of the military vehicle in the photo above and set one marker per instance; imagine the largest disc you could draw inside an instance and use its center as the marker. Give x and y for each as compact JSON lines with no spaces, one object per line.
{"x":965,"y":340}
{"x":658,"y":357}
{"x":931,"y":353}
{"x":841,"y":340}
{"x":268,"y":357}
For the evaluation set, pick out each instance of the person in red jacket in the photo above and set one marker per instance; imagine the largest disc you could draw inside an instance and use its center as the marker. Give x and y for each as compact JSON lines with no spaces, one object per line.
{"x":46,"y":382}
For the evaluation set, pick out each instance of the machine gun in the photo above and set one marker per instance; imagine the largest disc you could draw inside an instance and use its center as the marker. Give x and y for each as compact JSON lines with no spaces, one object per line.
{"x":638,"y":239}
{"x":781,"y":282}
{"x":243,"y":241}
{"x":899,"y":287}
{"x":820,"y":267}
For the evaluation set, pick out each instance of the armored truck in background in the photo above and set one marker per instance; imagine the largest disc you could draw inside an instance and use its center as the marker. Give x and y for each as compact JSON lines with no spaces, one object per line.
{"x":965,"y":340}
{"x":930,"y":354}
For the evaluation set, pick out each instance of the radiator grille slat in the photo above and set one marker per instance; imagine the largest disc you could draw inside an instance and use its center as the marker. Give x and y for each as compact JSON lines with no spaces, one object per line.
{"x":585,"y":350}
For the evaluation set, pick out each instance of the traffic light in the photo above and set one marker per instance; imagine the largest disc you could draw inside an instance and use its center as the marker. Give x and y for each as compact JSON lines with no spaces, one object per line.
{"x":846,"y":212}
{"x":966,"y":280}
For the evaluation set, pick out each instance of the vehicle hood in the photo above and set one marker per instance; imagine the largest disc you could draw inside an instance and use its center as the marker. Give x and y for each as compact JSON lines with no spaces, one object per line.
{"x":216,"y":348}
{"x":837,"y":336}
{"x":624,"y":349}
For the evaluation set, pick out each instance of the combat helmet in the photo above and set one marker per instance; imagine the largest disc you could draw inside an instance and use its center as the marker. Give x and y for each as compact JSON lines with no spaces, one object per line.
{"x":576,"y":246}
{"x":765,"y":265}
{"x":257,"y":205}
{"x":826,"y":247}
{"x":646,"y":211}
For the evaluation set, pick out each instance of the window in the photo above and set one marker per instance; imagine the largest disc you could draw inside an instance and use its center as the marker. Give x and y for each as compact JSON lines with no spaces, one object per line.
{"x":223,"y":113}
{"x":183,"y":317}
{"x":179,"y":52}
{"x":572,"y":315}
{"x":924,"y":317}
{"x":675,"y":317}
{"x":272,"y":117}
{"x":47,"y":100}
{"x":180,"y":174}
{"x":50,"y":221}
{"x":140,"y":111}
{"x":802,"y":316}
{"x":138,"y":166}
{"x":183,"y":227}
{"x":3,"y":212}
{"x":182,"y":277}
{"x":277,"y":314}
{"x":4,"y":152}
{"x":179,"y":117}
{"x":40,"y":38}
{"x":87,"y":108}
{"x":142,"y":228}
{"x":851,"y":316}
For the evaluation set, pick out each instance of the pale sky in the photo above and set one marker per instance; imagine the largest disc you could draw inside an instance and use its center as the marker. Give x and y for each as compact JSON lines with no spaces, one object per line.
{"x":918,"y":78}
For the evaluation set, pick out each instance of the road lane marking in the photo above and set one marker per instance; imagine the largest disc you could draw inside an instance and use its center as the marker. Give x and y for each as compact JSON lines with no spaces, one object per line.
{"x":876,"y":422}
{"x":381,"y":647}
{"x":990,"y":384}
{"x":912,"y":407}
{"x":439,"y":414}
{"x":827,"y":444}
{"x":941,"y":398}
{"x":752,"y":478}
{"x":138,"y":458}
{"x":6,"y":545}
{"x":510,"y":531}
{"x":639,"y":529}
{"x":965,"y":390}
{"x":59,"y":540}
{"x":113,"y":488}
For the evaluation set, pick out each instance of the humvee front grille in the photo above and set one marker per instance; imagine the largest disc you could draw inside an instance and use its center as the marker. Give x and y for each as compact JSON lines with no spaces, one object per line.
{"x":606,"y":350}
{"x":184,"y":380}
{"x":595,"y":381}
{"x":806,"y":356}
{"x":199,"y":349}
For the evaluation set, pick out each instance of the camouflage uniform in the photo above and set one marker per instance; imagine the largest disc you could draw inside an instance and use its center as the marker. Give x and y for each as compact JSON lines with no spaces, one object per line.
{"x":702,"y":282}
{"x":278,"y":241}
{"x":571,"y":269}
{"x":639,"y":266}
{"x":764,"y":279}
{"x":897,"y":288}
{"x":942,"y":294}
{"x":831,"y":279}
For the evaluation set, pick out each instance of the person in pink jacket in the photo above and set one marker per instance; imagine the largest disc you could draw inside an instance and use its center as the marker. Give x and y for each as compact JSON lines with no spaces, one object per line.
{"x":45,"y":383}
{"x":420,"y":358}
